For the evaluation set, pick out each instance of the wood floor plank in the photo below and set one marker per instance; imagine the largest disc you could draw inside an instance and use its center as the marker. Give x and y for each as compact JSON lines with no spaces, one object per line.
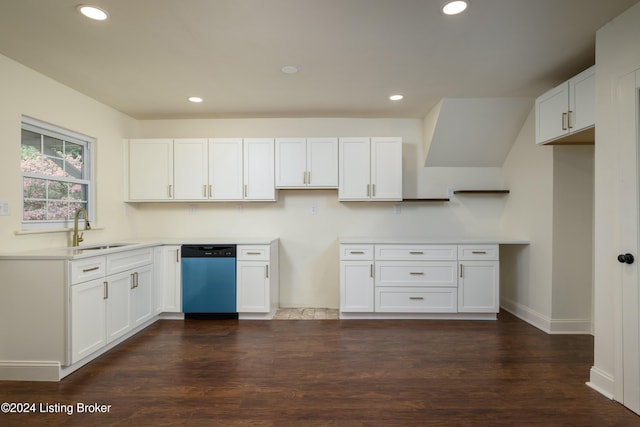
{"x":324,"y":373}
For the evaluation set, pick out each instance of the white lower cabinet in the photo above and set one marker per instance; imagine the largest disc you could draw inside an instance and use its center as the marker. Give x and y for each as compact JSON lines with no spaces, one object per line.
{"x":168,"y":279}
{"x":88,"y":314}
{"x":106,"y":308}
{"x":257,"y":280}
{"x":419,"y":278}
{"x":356,"y":286}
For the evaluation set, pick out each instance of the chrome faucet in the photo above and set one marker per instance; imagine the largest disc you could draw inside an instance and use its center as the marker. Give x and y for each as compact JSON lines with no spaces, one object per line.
{"x":78,"y":238}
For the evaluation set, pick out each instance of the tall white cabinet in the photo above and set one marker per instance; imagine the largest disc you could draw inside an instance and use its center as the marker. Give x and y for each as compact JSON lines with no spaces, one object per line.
{"x":370,"y":169}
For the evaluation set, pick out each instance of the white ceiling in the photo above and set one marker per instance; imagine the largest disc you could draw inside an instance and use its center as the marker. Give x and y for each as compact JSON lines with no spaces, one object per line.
{"x":352,"y":54}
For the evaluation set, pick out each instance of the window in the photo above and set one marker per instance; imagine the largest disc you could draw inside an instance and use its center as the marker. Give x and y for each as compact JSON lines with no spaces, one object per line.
{"x":56,"y":175}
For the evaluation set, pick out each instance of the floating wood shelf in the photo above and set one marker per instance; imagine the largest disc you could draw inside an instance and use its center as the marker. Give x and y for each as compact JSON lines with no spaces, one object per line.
{"x":481,"y":192}
{"x":443,"y":199}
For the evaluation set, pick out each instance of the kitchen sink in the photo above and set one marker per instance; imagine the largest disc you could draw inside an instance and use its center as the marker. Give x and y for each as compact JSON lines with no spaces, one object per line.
{"x":102,"y":247}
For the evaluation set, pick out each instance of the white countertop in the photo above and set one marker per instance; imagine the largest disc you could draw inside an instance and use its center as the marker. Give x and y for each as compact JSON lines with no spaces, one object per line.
{"x":78,"y":252}
{"x":432,"y":241}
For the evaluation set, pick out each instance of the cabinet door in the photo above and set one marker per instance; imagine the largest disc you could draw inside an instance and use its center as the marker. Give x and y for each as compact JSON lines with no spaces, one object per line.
{"x":118,"y":305}
{"x":356,"y":286}
{"x":150,"y":169}
{"x":355,"y":169}
{"x":386,"y":169}
{"x":225,"y":169}
{"x":259,"y":169}
{"x":142,"y":296}
{"x":168,"y":279}
{"x":88,"y":327}
{"x":322,"y":162}
{"x":252,"y":288}
{"x":582,"y":100}
{"x":291,"y":162}
{"x":190,"y":169}
{"x":478,"y":287}
{"x":551,"y":114}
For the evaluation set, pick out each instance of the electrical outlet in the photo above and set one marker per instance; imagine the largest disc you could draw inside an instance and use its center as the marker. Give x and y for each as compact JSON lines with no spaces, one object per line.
{"x":4,"y":207}
{"x":193,"y":210}
{"x":450,"y":192}
{"x":314,"y":209}
{"x":396,"y":209}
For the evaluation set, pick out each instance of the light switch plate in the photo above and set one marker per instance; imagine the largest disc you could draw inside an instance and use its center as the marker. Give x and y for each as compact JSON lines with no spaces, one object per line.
{"x":4,"y":208}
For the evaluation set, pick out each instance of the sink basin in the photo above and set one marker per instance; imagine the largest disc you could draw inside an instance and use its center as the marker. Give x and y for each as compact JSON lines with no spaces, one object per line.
{"x":101,"y":247}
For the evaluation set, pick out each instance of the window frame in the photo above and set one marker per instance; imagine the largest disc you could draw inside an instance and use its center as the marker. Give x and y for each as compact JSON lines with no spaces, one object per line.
{"x":57,"y":132}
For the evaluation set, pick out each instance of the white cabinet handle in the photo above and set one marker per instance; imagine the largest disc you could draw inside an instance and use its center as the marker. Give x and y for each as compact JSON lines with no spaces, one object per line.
{"x":133,"y":280}
{"x":253,"y":253}
{"x":569,"y":116}
{"x":564,"y":121}
{"x":266,"y":271}
{"x":210,"y":191}
{"x":170,"y":190}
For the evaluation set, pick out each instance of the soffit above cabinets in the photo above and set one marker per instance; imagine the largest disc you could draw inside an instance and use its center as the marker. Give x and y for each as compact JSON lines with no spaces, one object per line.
{"x":473,"y":132}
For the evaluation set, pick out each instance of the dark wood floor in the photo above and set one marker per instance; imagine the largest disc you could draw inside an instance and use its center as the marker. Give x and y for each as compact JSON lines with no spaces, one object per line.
{"x":343,"y":373}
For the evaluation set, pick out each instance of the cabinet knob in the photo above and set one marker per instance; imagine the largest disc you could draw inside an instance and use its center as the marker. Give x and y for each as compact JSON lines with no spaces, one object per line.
{"x":626,"y":258}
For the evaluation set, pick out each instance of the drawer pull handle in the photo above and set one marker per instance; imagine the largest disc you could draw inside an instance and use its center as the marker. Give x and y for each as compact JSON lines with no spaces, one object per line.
{"x":356,"y":252}
{"x":416,"y":252}
{"x":105,"y":295}
{"x":86,"y":270}
{"x":479,"y":252}
{"x":416,"y":298}
{"x":417,"y":273}
{"x":253,"y":253}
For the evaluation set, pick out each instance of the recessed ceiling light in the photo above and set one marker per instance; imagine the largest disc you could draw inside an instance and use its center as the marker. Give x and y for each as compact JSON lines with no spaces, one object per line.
{"x":455,"y":7}
{"x":93,"y":12}
{"x":195,"y":99}
{"x":289,"y":69}
{"x":396,"y":97}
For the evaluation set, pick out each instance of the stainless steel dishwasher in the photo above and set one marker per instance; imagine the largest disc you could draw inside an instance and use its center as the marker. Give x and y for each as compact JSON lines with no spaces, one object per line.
{"x":209,"y":281}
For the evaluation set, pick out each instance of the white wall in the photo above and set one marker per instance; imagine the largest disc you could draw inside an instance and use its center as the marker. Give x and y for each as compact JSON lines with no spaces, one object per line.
{"x":25,"y":92}
{"x":617,"y":54}
{"x":526,"y":272}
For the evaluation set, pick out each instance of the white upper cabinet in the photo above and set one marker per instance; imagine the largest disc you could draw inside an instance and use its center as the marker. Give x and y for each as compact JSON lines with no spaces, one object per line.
{"x":370,"y":169}
{"x":225,"y":169}
{"x":150,"y":169}
{"x":307,"y":163}
{"x":190,"y":173}
{"x":566,"y":109}
{"x":259,"y":169}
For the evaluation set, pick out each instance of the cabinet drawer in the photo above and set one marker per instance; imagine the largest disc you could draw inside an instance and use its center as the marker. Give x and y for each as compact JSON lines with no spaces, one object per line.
{"x":416,"y":252}
{"x":127,"y":260}
{"x":416,"y":300}
{"x":412,"y":273}
{"x":252,"y":252}
{"x":356,"y":252}
{"x":83,"y":270}
{"x":478,"y":252}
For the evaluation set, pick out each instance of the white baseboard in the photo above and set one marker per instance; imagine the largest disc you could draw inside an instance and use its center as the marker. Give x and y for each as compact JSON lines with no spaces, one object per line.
{"x":602,"y":382}
{"x":29,"y":370}
{"x":545,"y":323}
{"x":418,"y":316}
